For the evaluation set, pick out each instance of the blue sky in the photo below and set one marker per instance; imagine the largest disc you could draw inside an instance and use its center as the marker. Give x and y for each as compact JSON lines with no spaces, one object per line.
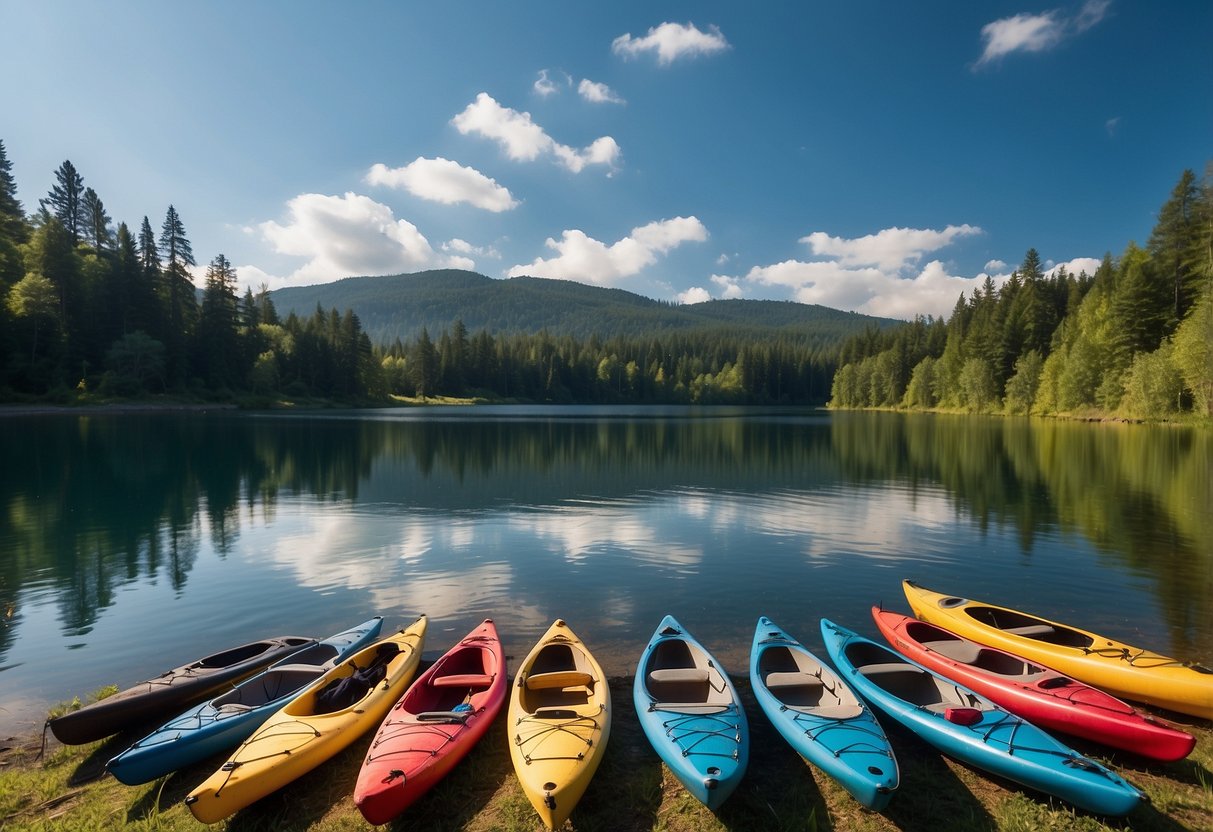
{"x":880,"y":157}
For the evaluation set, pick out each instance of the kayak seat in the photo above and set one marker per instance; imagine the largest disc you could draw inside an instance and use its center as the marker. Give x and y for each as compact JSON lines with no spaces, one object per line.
{"x":1031,"y":631}
{"x":559,"y":679}
{"x":679,"y":675}
{"x":465,"y":680}
{"x":844,"y":711}
{"x":965,"y":652}
{"x":680,"y":688}
{"x":795,"y":688}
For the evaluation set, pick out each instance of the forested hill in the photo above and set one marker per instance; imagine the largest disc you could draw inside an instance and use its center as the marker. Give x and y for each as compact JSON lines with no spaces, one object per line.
{"x":400,"y":306}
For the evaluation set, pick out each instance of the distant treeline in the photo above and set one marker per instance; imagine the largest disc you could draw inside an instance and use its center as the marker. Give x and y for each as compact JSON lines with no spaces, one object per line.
{"x":90,"y":308}
{"x":1135,"y":339}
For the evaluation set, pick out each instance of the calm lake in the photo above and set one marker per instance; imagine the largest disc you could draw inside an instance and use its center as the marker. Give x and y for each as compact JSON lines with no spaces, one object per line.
{"x":133,"y":543}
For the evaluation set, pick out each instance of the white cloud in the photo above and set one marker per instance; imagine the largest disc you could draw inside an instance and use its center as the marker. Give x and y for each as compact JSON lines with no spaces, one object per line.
{"x":730,"y":287}
{"x":994,"y":266}
{"x":871,"y":291}
{"x":1077,"y":266}
{"x":441,"y":180}
{"x":1037,"y":32}
{"x":343,"y":236}
{"x":524,"y":140}
{"x":459,"y":246}
{"x":597,"y":93}
{"x":1112,"y":125}
{"x":580,"y":257}
{"x":672,"y":41}
{"x":695,"y":294}
{"x":890,"y":249}
{"x":545,"y":86}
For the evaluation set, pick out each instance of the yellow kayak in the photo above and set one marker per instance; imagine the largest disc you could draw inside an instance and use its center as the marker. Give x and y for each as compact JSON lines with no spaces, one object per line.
{"x":1120,"y":669}
{"x":559,"y":720}
{"x":323,"y":720}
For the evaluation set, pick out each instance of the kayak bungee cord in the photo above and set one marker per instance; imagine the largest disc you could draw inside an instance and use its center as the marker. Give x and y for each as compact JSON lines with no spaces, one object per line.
{"x":550,"y":729}
{"x":231,"y":766}
{"x":702,"y":734}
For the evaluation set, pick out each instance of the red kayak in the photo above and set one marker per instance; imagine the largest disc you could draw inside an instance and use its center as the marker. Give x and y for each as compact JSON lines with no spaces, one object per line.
{"x":437,"y":721}
{"x":1034,"y":692}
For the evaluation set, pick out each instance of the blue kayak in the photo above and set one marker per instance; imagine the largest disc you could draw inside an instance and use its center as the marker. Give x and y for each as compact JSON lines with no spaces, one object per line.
{"x":691,"y":714}
{"x":821,"y":717}
{"x":227,"y":720}
{"x":973,"y":729}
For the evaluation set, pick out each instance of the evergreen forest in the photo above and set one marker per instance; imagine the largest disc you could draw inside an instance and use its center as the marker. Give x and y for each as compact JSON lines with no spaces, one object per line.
{"x":1133,"y":340}
{"x":93,"y":311}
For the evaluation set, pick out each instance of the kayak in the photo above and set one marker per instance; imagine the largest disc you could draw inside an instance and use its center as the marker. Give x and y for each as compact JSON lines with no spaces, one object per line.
{"x":324,"y":719}
{"x":1120,"y":669}
{"x":971,"y":728}
{"x":152,"y":700}
{"x":1036,"y":693}
{"x":559,"y":719}
{"x":433,"y":726}
{"x":691,"y":714}
{"x":226,"y":720}
{"x":822,"y":718}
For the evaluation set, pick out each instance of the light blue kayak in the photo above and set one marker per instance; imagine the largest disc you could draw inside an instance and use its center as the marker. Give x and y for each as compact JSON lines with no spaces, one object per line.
{"x":691,"y":714}
{"x":973,"y":729}
{"x":821,"y":717}
{"x":227,"y":720}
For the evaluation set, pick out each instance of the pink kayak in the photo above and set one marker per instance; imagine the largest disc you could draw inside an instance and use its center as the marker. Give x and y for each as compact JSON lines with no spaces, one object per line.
{"x":1040,"y":695}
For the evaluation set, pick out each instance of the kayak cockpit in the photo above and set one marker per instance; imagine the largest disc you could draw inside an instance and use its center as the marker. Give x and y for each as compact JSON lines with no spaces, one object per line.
{"x":1027,"y":626}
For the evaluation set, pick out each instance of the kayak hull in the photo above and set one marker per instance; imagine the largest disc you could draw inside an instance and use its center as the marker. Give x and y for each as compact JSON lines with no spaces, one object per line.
{"x":1042,"y":696}
{"x":1118,"y":668}
{"x":691,"y":714}
{"x":153,"y":700}
{"x":559,"y":719}
{"x":434,"y":725}
{"x":971,"y":728}
{"x":298,"y":737}
{"x":225,"y":721}
{"x":820,"y":717}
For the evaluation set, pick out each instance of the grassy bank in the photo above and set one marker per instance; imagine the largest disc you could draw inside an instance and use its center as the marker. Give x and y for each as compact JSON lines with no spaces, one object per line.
{"x":67,"y":790}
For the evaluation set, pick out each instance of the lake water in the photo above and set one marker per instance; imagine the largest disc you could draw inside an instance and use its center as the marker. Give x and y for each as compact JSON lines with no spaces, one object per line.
{"x":133,"y":543}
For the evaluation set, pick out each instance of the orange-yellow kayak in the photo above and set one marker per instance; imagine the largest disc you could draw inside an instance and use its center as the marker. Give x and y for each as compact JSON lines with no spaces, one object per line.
{"x":1120,"y":669}
{"x":324,"y":719}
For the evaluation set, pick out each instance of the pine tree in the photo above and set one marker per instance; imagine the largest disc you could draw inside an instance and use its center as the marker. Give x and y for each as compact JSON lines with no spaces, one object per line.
{"x":218,"y":344}
{"x":1175,"y":236}
{"x":96,"y":221}
{"x":12,"y":217}
{"x":178,"y":293}
{"x":66,"y":200}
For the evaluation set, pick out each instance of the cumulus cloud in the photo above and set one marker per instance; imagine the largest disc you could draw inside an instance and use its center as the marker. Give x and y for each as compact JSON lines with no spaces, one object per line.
{"x":995,"y":266}
{"x":582,"y":258}
{"x":523,"y":140}
{"x":671,"y":41}
{"x":1037,"y":32}
{"x":597,"y":93}
{"x":442,"y":180}
{"x":343,"y":236}
{"x":545,"y":85}
{"x":696,"y":294}
{"x":730,"y":287}
{"x":1077,"y":266}
{"x":459,"y":246}
{"x":889,"y":249}
{"x":869,"y":290}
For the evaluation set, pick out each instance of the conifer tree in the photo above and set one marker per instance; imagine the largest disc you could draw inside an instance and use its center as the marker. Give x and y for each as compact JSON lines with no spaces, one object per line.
{"x":96,"y":221}
{"x":66,"y":200}
{"x":178,"y":293}
{"x":12,"y":217}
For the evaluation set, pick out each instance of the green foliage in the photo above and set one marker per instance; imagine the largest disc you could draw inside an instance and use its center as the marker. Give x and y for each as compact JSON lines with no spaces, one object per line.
{"x":135,"y":361}
{"x":1152,"y":385}
{"x":1022,"y":386}
{"x":1057,"y":342}
{"x":1193,"y":353}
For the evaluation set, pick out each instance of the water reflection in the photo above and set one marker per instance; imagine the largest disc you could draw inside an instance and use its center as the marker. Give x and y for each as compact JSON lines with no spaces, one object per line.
{"x":616,"y":516}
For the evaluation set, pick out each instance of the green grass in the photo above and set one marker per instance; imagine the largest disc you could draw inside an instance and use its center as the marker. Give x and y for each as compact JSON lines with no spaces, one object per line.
{"x":67,"y":791}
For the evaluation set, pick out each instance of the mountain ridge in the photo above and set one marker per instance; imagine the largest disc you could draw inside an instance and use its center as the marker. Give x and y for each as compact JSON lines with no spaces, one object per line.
{"x":400,"y":306}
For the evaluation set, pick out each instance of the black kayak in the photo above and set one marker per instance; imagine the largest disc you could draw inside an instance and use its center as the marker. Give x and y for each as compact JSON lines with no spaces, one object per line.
{"x":171,"y":692}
